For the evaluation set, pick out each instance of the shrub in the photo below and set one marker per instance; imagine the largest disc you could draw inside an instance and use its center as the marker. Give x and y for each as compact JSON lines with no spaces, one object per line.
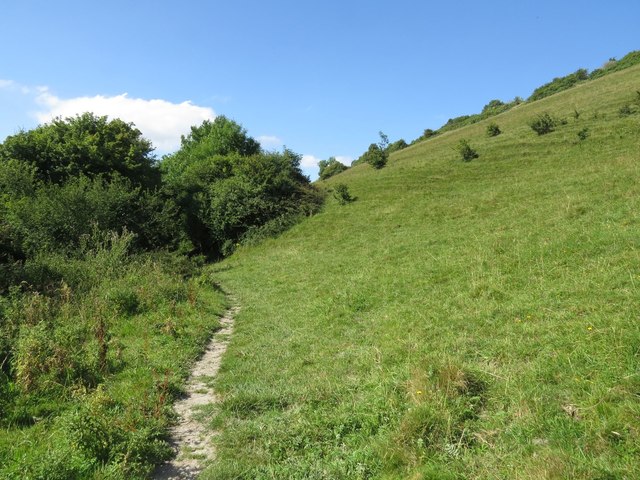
{"x":397,"y":145}
{"x":583,"y":134}
{"x":428,"y":133}
{"x":559,"y":84}
{"x":85,"y":145}
{"x":341,"y":194}
{"x":466,"y":152}
{"x":377,"y":154}
{"x":493,"y":130}
{"x":625,"y":110}
{"x":543,"y":124}
{"x":376,"y":157}
{"x":330,"y":167}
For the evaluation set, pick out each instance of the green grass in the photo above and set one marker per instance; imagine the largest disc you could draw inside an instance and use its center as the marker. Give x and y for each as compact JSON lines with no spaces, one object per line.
{"x":114,"y":426}
{"x":458,"y":320}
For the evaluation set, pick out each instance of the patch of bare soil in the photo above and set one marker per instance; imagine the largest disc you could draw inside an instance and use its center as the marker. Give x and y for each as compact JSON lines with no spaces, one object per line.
{"x":190,"y":438}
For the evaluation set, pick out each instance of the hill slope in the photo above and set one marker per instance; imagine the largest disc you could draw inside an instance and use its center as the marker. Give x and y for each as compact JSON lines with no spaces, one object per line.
{"x":458,"y":320}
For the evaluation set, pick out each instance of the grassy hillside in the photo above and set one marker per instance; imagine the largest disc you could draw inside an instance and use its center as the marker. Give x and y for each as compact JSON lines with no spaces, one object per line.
{"x":458,"y":320}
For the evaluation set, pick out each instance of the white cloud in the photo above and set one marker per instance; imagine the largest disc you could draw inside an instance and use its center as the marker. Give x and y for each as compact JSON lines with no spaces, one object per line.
{"x":160,"y":121}
{"x":269,"y":141}
{"x":309,"y":161}
{"x":13,"y":86}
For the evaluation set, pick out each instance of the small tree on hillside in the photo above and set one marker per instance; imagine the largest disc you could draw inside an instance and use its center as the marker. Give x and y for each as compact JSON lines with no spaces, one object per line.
{"x":330,"y":167}
{"x":543,"y":124}
{"x":493,"y":130}
{"x":377,"y":154}
{"x":466,"y":152}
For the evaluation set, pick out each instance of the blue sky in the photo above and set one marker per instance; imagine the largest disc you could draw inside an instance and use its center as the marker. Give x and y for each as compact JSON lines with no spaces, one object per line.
{"x":321,"y":77}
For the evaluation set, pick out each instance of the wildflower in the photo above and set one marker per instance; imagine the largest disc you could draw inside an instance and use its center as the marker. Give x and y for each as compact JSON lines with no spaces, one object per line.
{"x":589,"y":328}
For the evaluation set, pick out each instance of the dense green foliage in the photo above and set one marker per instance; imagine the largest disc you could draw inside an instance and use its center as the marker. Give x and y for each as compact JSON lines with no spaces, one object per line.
{"x":613,"y":65}
{"x":85,"y":145}
{"x":493,"y":130}
{"x":559,"y":84}
{"x":466,"y":152}
{"x":377,"y":154}
{"x":341,"y":194}
{"x":543,"y":124}
{"x":227,"y":187}
{"x":397,"y":146}
{"x":92,"y":362}
{"x":100,"y":311}
{"x":329,"y":168}
{"x":460,"y":320}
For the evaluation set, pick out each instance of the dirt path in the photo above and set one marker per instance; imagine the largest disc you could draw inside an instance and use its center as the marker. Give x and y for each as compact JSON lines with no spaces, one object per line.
{"x":190,"y":438}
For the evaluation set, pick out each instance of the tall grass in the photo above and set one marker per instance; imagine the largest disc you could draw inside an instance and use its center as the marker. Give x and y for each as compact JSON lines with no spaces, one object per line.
{"x":91,"y":363}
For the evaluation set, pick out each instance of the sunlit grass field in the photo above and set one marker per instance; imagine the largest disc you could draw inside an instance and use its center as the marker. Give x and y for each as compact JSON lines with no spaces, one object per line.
{"x":472,"y":320}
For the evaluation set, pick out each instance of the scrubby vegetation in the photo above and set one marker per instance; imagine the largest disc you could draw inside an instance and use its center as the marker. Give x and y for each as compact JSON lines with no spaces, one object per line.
{"x":457,"y":321}
{"x":377,"y":154}
{"x":329,"y":168}
{"x":559,"y":84}
{"x":103,"y":300}
{"x":543,"y":124}
{"x":341,"y":194}
{"x":466,"y":152}
{"x":493,"y":130}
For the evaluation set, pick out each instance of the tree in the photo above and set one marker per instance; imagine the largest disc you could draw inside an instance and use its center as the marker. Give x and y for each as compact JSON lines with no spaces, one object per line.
{"x":397,"y":145}
{"x":227,"y":187}
{"x":220,"y":137}
{"x":330,"y":167}
{"x":466,"y":152}
{"x":84,"y":145}
{"x":377,"y":154}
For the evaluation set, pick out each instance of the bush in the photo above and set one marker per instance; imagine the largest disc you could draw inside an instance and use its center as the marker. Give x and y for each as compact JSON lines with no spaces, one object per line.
{"x":341,"y":194}
{"x":397,"y":145}
{"x":583,"y":134}
{"x":543,"y":124}
{"x":377,"y":154}
{"x":493,"y":130}
{"x":330,"y":167}
{"x":625,"y":110}
{"x":85,"y":145}
{"x":466,"y":152}
{"x":559,"y":84}
{"x":428,"y":133}
{"x":376,"y":157}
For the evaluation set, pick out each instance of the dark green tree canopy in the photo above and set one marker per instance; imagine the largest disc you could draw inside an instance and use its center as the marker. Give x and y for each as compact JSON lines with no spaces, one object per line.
{"x":227,"y":186}
{"x":330,"y":167}
{"x":217,"y":138}
{"x":84,"y":145}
